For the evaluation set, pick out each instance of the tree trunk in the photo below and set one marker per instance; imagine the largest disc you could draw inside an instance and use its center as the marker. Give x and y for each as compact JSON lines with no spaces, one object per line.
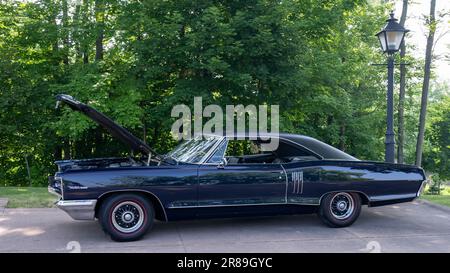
{"x":401,"y":99}
{"x":99,"y":17}
{"x":84,"y":23}
{"x":66,"y":149}
{"x":55,"y":51}
{"x":65,"y":24}
{"x":426,"y":82}
{"x":76,"y":32}
{"x":144,"y":132}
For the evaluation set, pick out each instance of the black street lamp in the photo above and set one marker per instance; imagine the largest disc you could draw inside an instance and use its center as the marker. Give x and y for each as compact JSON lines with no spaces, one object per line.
{"x":391,"y":37}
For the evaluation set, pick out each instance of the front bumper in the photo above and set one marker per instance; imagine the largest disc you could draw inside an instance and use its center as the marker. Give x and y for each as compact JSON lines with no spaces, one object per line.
{"x":78,"y":209}
{"x":54,"y":191}
{"x":55,"y":185}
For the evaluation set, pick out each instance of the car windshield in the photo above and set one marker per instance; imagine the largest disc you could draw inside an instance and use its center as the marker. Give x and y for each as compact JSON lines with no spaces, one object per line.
{"x":193,"y":150}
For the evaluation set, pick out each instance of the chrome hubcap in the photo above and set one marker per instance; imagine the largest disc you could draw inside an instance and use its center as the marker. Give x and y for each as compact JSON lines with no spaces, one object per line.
{"x":127,"y":216}
{"x":342,"y":206}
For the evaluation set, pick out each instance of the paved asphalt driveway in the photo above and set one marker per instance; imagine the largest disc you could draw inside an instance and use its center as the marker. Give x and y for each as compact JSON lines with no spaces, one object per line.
{"x":410,"y":227}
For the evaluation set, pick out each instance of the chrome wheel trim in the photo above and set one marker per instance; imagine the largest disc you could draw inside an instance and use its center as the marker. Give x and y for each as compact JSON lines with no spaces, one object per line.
{"x":342,"y":205}
{"x":127,"y":216}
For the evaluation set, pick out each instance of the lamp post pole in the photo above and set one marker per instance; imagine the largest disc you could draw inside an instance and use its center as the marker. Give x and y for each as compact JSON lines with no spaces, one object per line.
{"x":390,"y":135}
{"x":390,"y":37}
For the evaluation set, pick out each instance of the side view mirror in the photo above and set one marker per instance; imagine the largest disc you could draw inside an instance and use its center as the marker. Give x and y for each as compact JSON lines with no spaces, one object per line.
{"x":222,"y":163}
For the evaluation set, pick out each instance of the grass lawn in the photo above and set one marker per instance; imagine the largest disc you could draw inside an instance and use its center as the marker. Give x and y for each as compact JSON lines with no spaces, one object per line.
{"x":27,"y":197}
{"x":438,"y":199}
{"x":443,"y":199}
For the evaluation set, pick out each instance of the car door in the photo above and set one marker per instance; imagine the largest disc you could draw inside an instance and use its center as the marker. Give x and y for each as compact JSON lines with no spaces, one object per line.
{"x":302,"y":168}
{"x":236,"y":184}
{"x":303,"y":182}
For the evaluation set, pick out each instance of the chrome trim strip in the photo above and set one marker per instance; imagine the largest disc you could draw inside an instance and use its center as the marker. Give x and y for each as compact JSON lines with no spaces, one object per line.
{"x":240,"y":205}
{"x":381,"y":198}
{"x":304,"y":200}
{"x":293,"y":182}
{"x":303,"y":204}
{"x":78,"y":209}
{"x":297,"y":182}
{"x":131,"y":190}
{"x":301,"y":181}
{"x":287,"y":184}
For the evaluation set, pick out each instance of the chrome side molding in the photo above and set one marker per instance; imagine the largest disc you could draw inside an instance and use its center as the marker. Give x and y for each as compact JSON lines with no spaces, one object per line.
{"x":297,"y":180}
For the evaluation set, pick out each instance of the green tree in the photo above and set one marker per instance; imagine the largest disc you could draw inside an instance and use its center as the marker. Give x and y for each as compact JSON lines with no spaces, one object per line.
{"x":134,"y":60}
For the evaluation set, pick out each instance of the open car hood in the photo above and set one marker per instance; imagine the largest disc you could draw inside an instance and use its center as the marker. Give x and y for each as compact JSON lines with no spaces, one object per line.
{"x":113,"y":128}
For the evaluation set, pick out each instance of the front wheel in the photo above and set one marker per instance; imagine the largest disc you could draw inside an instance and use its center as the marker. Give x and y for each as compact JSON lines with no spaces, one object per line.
{"x":126,"y":217}
{"x":340,"y":209}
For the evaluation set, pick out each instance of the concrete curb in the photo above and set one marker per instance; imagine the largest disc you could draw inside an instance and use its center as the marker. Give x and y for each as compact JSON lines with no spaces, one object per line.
{"x":434,"y":205}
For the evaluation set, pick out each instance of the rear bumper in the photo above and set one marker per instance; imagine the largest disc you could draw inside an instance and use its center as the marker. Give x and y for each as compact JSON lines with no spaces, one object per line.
{"x":422,"y":188}
{"x":78,"y":209}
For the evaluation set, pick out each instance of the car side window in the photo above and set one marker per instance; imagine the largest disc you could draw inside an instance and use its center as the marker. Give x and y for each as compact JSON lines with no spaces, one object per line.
{"x":288,"y":153}
{"x":252,"y":152}
{"x":248,"y":152}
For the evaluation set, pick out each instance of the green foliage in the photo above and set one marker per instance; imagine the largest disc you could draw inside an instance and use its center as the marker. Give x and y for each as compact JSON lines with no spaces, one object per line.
{"x":437,"y":137}
{"x":310,"y":57}
{"x":435,"y":186}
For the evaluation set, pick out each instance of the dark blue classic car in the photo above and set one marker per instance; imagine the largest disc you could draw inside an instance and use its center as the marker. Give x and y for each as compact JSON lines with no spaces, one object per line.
{"x":224,"y":176}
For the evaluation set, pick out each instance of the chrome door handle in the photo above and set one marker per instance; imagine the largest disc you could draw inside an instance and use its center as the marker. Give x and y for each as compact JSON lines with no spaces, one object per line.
{"x":280,"y":174}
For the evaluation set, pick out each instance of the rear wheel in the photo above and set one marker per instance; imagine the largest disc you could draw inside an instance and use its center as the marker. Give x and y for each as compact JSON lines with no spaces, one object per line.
{"x":126,"y":217}
{"x":340,"y":209}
